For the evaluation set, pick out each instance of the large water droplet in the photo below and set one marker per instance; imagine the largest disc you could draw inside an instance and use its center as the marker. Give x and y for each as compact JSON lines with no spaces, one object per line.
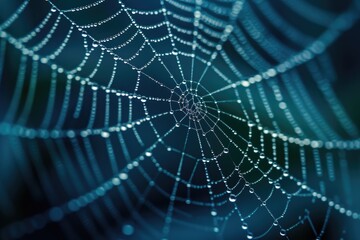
{"x":232,"y":198}
{"x":244,"y":226}
{"x":175,"y":51}
{"x":250,"y":235}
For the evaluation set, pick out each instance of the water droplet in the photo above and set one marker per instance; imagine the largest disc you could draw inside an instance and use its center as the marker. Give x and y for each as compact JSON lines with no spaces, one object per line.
{"x":226,"y":150}
{"x":123,"y":176}
{"x":251,"y":124}
{"x":105,"y":134}
{"x":56,"y":214}
{"x":232,"y":198}
{"x":244,"y":226}
{"x":213,"y":213}
{"x":250,"y":235}
{"x":128,"y":229}
{"x":262,"y":155}
{"x":197,"y":14}
{"x":148,"y":154}
{"x":115,"y":181}
{"x":245,"y":83}
{"x":283,"y":232}
{"x":229,"y":28}
{"x":175,"y":52}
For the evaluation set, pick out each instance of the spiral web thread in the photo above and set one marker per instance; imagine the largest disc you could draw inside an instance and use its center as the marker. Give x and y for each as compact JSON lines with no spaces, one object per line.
{"x":204,"y":85}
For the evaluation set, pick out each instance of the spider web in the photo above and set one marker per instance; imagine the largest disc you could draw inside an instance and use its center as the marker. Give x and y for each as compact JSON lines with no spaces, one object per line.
{"x":173,"y":119}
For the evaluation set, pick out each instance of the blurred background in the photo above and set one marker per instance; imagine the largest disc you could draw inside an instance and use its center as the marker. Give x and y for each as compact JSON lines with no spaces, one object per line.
{"x":97,"y":141}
